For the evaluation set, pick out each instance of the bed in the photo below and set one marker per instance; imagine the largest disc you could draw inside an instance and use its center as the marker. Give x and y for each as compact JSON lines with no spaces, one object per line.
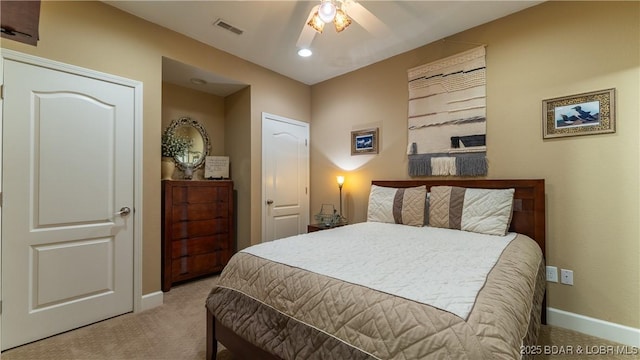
{"x":379,"y":290}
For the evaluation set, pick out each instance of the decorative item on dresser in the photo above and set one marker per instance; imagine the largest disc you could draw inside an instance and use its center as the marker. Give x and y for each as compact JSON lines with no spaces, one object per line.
{"x":185,"y":145}
{"x":167,"y":167}
{"x":197,"y":229}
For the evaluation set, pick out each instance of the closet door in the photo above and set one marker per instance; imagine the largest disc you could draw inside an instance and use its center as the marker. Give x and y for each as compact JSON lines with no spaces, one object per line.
{"x":285,"y":163}
{"x":67,"y":214}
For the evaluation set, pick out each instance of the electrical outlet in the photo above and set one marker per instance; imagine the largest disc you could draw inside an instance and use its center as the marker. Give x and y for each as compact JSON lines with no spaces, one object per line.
{"x":566,"y":276}
{"x":552,"y":274}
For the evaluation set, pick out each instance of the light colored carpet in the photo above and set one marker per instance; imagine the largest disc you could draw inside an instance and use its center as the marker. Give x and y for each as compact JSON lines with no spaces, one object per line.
{"x":176,"y":330}
{"x":553,"y":341}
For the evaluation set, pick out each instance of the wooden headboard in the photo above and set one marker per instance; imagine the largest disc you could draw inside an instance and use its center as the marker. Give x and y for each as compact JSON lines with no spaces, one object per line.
{"x":529,"y":201}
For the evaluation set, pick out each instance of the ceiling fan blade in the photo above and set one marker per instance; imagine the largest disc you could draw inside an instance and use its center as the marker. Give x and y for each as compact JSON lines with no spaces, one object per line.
{"x":308,"y":33}
{"x":366,"y":19}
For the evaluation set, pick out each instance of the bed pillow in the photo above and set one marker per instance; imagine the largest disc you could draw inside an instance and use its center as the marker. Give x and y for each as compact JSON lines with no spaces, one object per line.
{"x":485,"y":211}
{"x":397,"y":205}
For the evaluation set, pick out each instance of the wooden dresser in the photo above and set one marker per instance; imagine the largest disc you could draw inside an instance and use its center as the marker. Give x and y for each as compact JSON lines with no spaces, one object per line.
{"x":197,"y":229}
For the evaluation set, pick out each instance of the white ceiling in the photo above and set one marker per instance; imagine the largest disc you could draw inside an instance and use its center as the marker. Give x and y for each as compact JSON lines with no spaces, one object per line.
{"x":272,"y":28}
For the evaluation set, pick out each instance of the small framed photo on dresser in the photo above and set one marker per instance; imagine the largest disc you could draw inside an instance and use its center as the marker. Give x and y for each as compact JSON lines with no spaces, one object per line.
{"x":216,"y":167}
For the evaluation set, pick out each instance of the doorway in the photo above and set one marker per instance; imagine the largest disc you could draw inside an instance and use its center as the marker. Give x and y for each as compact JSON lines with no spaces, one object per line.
{"x":285,"y":177}
{"x":72,"y":199}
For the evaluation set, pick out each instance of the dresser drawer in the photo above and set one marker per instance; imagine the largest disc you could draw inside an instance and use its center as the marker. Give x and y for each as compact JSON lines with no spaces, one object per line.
{"x":200,"y":194}
{"x":200,"y":245}
{"x":187,"y":267}
{"x":204,"y":211}
{"x":198,"y":228}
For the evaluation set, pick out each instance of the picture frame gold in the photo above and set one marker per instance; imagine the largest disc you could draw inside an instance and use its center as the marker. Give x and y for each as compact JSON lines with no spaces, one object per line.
{"x":364,"y":142}
{"x":582,"y":114}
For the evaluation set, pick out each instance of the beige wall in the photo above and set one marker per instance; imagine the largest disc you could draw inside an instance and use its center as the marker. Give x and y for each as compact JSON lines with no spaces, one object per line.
{"x":237,"y":115}
{"x":207,"y":109}
{"x":94,"y":35}
{"x":551,"y":50}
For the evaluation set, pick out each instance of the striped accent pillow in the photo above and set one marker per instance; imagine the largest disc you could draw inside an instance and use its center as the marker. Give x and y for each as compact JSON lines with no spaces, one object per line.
{"x":397,"y":205}
{"x":485,"y":211}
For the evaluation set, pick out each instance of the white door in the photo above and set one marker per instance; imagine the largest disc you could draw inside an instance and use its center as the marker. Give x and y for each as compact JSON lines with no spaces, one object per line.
{"x":68,"y":169}
{"x":285,"y":164}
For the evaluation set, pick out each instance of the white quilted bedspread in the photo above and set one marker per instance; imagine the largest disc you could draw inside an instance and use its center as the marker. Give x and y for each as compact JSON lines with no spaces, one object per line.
{"x":439,"y":267}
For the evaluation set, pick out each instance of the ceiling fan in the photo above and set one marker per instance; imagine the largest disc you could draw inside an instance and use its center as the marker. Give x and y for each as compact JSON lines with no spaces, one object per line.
{"x":339,"y":13}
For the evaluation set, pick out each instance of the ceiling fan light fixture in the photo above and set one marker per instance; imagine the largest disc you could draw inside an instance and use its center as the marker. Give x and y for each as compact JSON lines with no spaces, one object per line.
{"x":341,"y":20}
{"x":316,"y":23}
{"x":327,"y":11}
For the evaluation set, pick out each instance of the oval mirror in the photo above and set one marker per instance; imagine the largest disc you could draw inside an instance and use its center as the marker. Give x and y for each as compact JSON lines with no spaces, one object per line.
{"x":194,"y":156}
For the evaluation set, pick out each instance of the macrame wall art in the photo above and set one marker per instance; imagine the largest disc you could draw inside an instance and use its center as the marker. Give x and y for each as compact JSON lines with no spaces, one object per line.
{"x":447,"y":116}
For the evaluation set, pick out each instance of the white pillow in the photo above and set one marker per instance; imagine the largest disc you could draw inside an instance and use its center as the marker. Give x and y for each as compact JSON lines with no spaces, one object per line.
{"x":485,"y":211}
{"x":397,"y":205}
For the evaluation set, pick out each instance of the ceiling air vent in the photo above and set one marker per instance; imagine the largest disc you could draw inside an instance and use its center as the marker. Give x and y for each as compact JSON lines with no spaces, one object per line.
{"x":225,"y":25}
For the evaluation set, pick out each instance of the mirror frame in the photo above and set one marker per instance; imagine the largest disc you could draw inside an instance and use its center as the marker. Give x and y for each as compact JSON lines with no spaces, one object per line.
{"x":187,"y":121}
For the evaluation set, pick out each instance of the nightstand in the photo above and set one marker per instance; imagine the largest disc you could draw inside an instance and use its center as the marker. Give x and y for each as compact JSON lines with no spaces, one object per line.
{"x":318,"y":227}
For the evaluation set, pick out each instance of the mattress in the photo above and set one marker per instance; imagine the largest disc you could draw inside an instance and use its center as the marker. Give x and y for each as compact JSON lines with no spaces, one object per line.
{"x":385,"y":291}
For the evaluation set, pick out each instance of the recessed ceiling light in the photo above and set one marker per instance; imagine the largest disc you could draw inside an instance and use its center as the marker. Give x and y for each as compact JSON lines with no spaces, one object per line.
{"x":304,"y":52}
{"x":197,"y":81}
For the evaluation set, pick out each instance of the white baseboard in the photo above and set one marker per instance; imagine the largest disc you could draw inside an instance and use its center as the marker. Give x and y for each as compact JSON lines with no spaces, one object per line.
{"x":149,"y":301}
{"x":595,"y":327}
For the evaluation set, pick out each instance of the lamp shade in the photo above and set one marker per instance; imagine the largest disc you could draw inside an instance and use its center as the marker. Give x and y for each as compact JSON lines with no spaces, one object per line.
{"x":341,"y":20}
{"x":316,"y":23}
{"x":340,"y":180}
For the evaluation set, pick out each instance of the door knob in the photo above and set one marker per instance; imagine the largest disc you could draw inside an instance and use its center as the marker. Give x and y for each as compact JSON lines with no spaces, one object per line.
{"x":269,"y":202}
{"x":124,"y":211}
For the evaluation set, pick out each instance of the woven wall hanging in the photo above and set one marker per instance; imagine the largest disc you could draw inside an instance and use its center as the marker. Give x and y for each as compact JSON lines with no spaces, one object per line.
{"x":447,"y":116}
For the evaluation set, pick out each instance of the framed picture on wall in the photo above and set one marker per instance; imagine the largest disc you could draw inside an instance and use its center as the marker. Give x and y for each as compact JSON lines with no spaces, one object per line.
{"x":364,"y":142}
{"x":581,"y":114}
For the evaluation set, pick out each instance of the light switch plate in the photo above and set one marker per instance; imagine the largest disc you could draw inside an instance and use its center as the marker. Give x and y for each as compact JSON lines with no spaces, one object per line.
{"x":552,"y":274}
